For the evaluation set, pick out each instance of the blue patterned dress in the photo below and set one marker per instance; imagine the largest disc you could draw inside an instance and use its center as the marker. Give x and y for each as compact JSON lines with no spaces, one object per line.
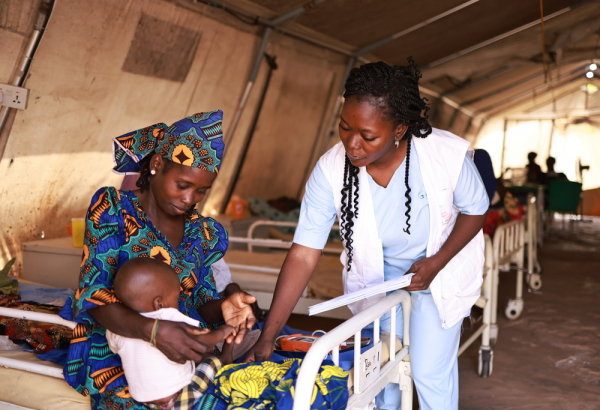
{"x":117,"y":230}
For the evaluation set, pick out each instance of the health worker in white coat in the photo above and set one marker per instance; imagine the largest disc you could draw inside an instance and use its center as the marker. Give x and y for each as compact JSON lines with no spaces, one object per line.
{"x":409,"y":200}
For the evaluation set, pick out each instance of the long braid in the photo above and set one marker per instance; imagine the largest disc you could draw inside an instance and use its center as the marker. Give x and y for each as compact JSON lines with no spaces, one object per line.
{"x":347,"y":220}
{"x":407,"y":194}
{"x":395,"y":90}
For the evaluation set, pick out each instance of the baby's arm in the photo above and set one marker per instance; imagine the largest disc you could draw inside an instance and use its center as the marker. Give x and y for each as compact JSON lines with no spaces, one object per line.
{"x":216,"y":336}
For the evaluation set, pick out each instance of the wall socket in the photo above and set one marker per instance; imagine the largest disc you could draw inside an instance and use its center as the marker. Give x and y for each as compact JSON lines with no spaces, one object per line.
{"x":14,"y":97}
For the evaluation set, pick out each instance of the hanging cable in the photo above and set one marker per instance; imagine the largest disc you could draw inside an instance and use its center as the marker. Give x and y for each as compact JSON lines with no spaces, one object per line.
{"x":545,"y":65}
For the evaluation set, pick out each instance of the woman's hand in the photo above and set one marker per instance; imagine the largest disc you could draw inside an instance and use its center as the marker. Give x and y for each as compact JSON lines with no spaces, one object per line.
{"x":181,"y":342}
{"x":237,"y":312}
{"x":425,"y":271}
{"x":262,"y":350}
{"x":233,"y":288}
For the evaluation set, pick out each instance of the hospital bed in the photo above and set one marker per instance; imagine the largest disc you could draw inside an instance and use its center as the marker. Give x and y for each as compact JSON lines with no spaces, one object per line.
{"x":257,"y":272}
{"x":30,"y":383}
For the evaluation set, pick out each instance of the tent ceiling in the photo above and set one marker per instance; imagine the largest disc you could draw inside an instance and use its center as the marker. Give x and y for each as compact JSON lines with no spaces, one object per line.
{"x":480,"y":80}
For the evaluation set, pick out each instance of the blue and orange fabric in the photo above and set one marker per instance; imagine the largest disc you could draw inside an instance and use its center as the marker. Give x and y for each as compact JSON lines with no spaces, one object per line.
{"x":195,"y":141}
{"x":117,"y":230}
{"x":269,"y":385}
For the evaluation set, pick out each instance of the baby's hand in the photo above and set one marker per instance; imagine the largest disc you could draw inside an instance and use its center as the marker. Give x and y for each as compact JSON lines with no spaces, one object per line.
{"x":226,"y":355}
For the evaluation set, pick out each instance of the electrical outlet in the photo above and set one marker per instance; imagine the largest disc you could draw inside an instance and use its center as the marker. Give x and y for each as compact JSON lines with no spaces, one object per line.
{"x":14,"y":97}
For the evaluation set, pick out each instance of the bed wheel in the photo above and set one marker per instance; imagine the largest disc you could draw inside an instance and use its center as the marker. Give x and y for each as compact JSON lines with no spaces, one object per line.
{"x":513,"y":310}
{"x":486,"y":361}
{"x":535,"y":282}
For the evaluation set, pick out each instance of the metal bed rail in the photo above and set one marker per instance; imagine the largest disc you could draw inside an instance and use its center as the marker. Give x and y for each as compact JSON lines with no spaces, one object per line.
{"x":396,"y":370}
{"x":38,"y":317}
{"x":532,"y":234}
{"x":486,"y":354}
{"x":280,"y":243}
{"x":508,"y":247}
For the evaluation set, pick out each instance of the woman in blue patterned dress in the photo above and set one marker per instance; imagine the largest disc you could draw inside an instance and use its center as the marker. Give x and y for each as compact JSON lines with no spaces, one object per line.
{"x":177,"y":165}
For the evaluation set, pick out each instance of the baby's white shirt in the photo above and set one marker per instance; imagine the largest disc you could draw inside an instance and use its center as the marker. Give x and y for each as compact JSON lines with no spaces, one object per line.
{"x":149,"y":373}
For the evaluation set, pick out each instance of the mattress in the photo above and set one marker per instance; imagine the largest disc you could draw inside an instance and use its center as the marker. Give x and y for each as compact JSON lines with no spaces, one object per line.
{"x":36,"y":391}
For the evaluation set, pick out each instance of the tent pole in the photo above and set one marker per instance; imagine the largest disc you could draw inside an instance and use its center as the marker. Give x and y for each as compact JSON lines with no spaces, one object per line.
{"x":43,"y":16}
{"x":503,"y":148}
{"x":246,"y":143}
{"x":270,"y":25}
{"x":249,"y":85}
{"x":500,"y":37}
{"x":550,"y":140}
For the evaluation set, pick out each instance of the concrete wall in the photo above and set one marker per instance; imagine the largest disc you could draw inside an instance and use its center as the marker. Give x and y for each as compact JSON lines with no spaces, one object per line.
{"x":111,"y":66}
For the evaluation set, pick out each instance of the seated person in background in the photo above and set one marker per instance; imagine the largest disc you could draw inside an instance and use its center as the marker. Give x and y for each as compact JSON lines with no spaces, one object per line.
{"x":151,"y":288}
{"x":534,"y":171}
{"x":552,"y":175}
{"x":504,"y":207}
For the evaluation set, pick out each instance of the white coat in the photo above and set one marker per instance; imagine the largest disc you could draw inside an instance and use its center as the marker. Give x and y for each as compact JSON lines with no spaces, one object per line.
{"x":456,"y":287}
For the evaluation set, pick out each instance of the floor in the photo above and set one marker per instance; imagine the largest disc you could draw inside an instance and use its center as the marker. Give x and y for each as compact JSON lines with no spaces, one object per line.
{"x":549,"y":358}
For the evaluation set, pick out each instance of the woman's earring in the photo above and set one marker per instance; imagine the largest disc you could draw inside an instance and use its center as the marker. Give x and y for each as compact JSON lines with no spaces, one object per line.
{"x":153,"y":172}
{"x":397,"y":143}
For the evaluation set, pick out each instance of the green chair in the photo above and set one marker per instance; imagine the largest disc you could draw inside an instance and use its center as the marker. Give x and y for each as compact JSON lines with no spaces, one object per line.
{"x":564,"y":197}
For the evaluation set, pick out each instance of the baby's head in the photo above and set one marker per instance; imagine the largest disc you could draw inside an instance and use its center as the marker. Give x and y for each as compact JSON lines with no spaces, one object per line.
{"x":145,"y":285}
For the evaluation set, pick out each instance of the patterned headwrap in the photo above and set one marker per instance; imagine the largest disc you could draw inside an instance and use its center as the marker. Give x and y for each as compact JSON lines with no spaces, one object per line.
{"x":195,"y":141}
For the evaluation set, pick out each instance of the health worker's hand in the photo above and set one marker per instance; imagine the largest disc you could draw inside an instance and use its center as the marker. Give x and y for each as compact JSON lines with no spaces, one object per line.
{"x":181,"y":342}
{"x":237,"y":312}
{"x":261,"y":350}
{"x":425,"y":271}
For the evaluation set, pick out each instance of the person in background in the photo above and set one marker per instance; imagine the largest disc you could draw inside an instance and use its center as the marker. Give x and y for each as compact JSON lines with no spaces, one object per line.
{"x":551,"y":174}
{"x":534,"y":171}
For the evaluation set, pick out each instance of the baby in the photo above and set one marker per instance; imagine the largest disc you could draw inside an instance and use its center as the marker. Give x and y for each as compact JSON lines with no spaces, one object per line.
{"x":151,"y":288}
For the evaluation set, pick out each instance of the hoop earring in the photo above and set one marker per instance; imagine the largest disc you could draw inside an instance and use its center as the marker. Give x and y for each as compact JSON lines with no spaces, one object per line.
{"x":397,"y":143}
{"x":153,"y":172}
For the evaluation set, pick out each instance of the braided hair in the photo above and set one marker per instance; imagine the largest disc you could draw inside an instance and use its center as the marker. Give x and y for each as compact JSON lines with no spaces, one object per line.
{"x":394,"y":90}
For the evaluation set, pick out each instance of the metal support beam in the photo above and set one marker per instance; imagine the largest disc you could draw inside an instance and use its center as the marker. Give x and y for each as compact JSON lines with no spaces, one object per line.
{"x":479,"y":80}
{"x":505,"y":88}
{"x":501,"y":36}
{"x":448,"y":101}
{"x":569,"y":77}
{"x":422,"y":24}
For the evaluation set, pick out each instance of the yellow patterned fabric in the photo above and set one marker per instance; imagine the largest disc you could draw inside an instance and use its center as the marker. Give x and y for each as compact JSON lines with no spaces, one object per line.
{"x":268,"y":385}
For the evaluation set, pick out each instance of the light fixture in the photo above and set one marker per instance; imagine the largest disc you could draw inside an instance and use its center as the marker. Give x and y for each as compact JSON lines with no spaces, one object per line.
{"x":589,"y":74}
{"x":593,"y":66}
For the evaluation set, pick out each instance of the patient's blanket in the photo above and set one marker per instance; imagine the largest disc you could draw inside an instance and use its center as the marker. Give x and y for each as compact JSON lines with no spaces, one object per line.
{"x":269,"y":385}
{"x":39,"y":337}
